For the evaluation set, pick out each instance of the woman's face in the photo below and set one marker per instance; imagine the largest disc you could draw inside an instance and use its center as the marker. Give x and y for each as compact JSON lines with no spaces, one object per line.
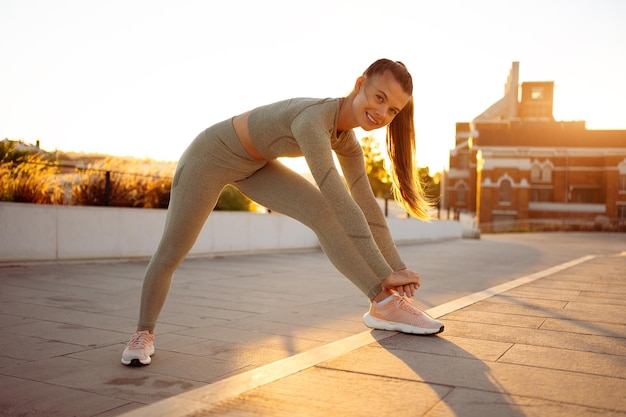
{"x":378,"y":100}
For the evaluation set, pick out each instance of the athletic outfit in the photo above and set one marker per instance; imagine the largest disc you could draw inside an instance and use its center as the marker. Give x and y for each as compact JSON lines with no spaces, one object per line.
{"x":345,"y":216}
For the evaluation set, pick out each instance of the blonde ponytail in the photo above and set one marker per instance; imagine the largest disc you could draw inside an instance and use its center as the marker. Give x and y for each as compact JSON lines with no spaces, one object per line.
{"x":407,"y":187}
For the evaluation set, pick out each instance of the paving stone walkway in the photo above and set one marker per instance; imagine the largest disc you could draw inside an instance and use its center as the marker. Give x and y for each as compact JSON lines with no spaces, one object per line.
{"x":280,"y":334}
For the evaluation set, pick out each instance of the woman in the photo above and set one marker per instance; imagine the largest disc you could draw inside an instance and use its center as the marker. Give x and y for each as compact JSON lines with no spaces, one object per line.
{"x":345,"y":216}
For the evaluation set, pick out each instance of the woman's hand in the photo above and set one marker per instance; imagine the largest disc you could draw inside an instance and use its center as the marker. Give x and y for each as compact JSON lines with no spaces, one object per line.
{"x":404,"y":282}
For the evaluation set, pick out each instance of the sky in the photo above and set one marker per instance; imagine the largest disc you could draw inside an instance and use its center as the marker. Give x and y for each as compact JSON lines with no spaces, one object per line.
{"x":143,"y":77}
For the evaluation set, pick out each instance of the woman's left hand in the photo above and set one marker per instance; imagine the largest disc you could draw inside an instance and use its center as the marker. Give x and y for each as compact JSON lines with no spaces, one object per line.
{"x":404,"y":282}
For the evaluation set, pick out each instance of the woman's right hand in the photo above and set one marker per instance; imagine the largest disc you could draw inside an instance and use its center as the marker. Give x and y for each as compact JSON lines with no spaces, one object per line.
{"x":405,"y":282}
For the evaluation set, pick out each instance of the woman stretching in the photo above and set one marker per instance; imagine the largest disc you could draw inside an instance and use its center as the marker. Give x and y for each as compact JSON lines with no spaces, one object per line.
{"x":345,"y":216}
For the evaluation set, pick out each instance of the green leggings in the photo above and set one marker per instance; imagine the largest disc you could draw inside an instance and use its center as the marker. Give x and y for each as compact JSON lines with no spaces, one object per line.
{"x":213,"y":160}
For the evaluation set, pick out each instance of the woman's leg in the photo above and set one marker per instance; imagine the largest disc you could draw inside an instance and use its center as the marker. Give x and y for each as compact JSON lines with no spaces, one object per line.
{"x":195,"y":190}
{"x":215,"y":158}
{"x":279,"y":188}
{"x":194,"y":193}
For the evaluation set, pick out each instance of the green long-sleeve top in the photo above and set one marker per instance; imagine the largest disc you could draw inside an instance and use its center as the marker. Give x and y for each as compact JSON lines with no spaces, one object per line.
{"x":308,"y":127}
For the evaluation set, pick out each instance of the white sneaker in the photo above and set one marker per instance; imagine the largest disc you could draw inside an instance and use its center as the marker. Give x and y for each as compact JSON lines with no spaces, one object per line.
{"x":139,"y":350}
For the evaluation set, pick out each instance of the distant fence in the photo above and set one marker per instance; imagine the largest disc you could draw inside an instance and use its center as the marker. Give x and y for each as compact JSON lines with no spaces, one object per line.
{"x":33,"y":232}
{"x":43,"y":182}
{"x":600,"y":224}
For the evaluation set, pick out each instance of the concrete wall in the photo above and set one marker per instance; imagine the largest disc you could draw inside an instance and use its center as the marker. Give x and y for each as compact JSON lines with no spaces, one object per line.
{"x":31,"y":232}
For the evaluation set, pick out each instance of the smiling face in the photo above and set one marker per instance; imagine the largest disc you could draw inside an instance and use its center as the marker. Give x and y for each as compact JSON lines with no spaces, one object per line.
{"x":379,"y":98}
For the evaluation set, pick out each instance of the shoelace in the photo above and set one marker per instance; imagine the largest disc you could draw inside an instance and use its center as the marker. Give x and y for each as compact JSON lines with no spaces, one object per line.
{"x":139,"y":340}
{"x":404,"y":304}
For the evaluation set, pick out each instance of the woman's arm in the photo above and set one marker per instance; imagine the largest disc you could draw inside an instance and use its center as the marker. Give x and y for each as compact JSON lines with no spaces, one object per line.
{"x":313,"y":138}
{"x":350,"y":156}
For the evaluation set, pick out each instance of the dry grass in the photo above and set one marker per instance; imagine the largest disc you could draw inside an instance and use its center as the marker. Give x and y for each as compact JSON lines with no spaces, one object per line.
{"x":75,"y":179}
{"x":93,"y":180}
{"x":123,"y":182}
{"x":31,"y":182}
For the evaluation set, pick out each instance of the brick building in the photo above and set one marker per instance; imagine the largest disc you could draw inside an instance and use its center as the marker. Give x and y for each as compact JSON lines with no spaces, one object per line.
{"x":515,"y":167}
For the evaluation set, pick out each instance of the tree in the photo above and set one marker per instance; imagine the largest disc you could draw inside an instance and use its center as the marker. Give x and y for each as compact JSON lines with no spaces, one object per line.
{"x":378,"y":176}
{"x":231,"y":199}
{"x":431,"y":185}
{"x":380,"y":179}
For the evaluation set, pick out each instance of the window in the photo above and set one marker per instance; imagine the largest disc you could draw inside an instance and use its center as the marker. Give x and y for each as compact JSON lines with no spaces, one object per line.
{"x":463,"y":160}
{"x":586,"y":195}
{"x":541,"y":172}
{"x":461,"y":194}
{"x":541,"y":195}
{"x":622,"y":182}
{"x":536,"y":93}
{"x":505,"y":191}
{"x":535,"y":173}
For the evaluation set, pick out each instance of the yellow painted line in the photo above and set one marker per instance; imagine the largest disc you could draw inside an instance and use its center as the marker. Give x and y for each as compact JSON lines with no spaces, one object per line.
{"x":186,"y":403}
{"x":459,"y":303}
